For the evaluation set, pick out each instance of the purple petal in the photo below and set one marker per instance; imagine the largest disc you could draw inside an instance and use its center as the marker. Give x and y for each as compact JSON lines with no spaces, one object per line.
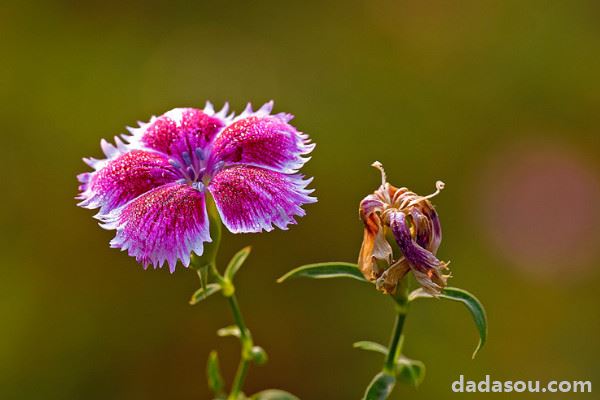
{"x":252,"y":199}
{"x":262,"y":140}
{"x":124,"y":178}
{"x":179,"y":130}
{"x":426,"y":267}
{"x":370,"y":204}
{"x":165,"y":224}
{"x":427,"y":227}
{"x":415,"y":254}
{"x":436,"y":227}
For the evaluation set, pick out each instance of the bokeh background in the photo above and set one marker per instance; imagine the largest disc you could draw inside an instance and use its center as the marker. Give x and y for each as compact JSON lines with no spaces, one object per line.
{"x":500,"y":99}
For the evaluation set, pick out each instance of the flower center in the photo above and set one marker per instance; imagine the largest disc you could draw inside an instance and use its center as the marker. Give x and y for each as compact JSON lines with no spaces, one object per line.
{"x":193,"y":167}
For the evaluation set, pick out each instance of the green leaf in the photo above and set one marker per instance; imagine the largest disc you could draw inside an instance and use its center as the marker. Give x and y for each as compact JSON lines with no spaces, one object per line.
{"x":472,"y":304}
{"x":204,"y":292}
{"x":410,"y":371}
{"x":380,"y":387}
{"x":273,"y":394}
{"x":231,"y":330}
{"x":476,"y":309}
{"x":371,"y":346}
{"x":213,"y":373}
{"x":325,"y":270}
{"x":236,"y":262}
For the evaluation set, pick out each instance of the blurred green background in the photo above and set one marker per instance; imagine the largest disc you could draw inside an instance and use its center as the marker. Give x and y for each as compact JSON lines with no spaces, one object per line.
{"x":500,"y":99}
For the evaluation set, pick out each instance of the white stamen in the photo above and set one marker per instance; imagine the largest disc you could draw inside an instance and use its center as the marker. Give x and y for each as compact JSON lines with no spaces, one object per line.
{"x":379,"y":166}
{"x":439,"y":186}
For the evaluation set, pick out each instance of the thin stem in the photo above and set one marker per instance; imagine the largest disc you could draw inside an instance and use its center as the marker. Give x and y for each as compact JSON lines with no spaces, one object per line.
{"x":228,"y":290}
{"x":238,"y":381}
{"x":245,"y":336}
{"x":401,"y":306}
{"x":394,"y":348}
{"x":382,"y":385}
{"x":237,"y":316}
{"x":246,"y":341}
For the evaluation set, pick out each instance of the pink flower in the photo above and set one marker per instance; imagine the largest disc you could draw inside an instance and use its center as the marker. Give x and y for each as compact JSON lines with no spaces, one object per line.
{"x":152,"y":186}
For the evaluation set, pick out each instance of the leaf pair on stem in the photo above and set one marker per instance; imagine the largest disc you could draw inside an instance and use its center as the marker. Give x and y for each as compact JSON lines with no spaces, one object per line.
{"x":397,"y":367}
{"x":249,"y":352}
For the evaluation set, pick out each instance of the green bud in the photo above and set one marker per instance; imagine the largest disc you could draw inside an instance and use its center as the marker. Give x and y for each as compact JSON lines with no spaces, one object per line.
{"x":259,"y":355}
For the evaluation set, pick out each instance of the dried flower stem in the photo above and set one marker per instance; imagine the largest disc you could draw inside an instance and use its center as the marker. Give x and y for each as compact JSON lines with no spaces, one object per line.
{"x":383,"y":384}
{"x":394,"y":347}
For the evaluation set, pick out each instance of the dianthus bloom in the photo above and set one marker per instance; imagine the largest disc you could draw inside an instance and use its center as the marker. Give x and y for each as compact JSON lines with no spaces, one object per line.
{"x":416,"y":228}
{"x":152,"y":186}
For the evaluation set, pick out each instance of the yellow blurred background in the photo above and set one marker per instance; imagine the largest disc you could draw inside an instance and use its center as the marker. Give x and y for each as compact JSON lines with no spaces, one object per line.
{"x":500,"y":99}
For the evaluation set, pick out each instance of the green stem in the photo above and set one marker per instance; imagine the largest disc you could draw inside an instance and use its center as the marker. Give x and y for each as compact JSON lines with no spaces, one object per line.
{"x":382,"y":385}
{"x":238,"y":381}
{"x":228,"y":290}
{"x":245,"y":336}
{"x":247,"y":344}
{"x":394,"y":348}
{"x":215,"y":272}
{"x":237,"y":316}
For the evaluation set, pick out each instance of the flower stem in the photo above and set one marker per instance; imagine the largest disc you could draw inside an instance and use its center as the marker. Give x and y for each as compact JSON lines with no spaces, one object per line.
{"x":382,"y":385}
{"x":394,"y":347}
{"x":246,"y":342}
{"x":245,"y":335}
{"x":237,"y":316}
{"x":246,"y":352}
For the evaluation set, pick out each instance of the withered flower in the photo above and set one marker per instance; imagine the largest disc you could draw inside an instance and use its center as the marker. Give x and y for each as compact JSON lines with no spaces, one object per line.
{"x":414,"y":224}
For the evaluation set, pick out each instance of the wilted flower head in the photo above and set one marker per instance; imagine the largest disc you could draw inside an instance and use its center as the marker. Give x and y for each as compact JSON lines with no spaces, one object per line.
{"x":414,"y":224}
{"x":152,"y":186}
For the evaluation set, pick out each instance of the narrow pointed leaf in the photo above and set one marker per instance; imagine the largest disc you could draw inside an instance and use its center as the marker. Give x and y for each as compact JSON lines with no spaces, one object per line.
{"x":325,"y":270}
{"x":213,"y":373}
{"x":476,"y":309}
{"x":204,"y":292}
{"x":410,"y":371}
{"x":231,"y":330}
{"x":273,"y":394}
{"x":472,"y":304}
{"x":236,"y":262}
{"x":371,"y":346}
{"x":380,"y":387}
